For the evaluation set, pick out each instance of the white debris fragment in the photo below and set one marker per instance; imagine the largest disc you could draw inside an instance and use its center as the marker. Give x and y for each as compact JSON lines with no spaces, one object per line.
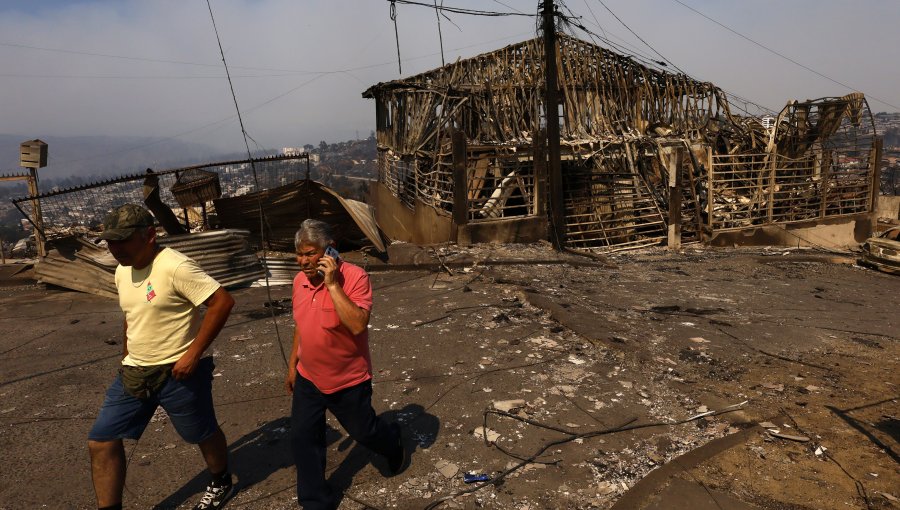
{"x":447,"y":468}
{"x":544,"y":342}
{"x":773,"y":386}
{"x":492,"y":435}
{"x":509,"y":406}
{"x":789,"y":437}
{"x":606,"y":488}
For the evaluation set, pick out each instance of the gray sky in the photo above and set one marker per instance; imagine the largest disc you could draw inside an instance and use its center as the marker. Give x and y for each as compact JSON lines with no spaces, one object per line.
{"x":152,"y":67}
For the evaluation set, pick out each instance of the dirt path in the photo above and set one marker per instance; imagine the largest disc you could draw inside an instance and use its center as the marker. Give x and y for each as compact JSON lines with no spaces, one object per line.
{"x":809,"y":346}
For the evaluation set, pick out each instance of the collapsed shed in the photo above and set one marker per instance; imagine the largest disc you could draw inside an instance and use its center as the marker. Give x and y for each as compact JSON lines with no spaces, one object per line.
{"x":643,"y":151}
{"x":188,"y":202}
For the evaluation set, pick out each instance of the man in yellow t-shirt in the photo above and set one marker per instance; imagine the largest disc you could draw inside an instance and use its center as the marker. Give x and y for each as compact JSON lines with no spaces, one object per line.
{"x":160,"y":291}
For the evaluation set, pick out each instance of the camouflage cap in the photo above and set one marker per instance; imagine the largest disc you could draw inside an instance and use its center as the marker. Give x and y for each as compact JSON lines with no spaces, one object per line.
{"x":124,"y":220}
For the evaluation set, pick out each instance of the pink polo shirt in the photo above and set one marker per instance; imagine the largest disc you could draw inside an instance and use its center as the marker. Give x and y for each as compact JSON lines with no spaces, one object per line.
{"x":331,"y":357}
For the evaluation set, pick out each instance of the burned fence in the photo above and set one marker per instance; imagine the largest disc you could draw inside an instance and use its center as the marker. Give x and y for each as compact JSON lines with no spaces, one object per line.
{"x":82,"y":208}
{"x":641,"y":149}
{"x":819,"y":162}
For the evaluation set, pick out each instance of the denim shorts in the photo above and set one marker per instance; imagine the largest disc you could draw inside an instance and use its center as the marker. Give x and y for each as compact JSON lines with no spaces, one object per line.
{"x":188,"y":403}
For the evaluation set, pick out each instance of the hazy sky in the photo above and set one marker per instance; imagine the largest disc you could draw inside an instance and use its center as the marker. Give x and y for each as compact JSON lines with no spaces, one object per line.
{"x":152,"y":67}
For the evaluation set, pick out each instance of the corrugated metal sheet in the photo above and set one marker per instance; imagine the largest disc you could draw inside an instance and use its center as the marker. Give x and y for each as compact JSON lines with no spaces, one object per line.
{"x":223,"y":254}
{"x":75,"y":273}
{"x":285,"y":207}
{"x":282,"y":271}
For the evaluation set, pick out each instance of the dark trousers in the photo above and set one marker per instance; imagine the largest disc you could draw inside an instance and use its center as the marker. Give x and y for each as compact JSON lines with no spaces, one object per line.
{"x":353,"y":409}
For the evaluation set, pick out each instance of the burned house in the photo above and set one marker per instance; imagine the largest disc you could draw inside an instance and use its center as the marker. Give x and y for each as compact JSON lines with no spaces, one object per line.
{"x":645,"y":154}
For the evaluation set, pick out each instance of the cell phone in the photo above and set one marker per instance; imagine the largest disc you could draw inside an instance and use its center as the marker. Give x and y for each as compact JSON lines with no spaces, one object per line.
{"x":331,"y":252}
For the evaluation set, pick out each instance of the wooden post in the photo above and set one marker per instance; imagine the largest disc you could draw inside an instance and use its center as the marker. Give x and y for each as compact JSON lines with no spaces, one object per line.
{"x":33,"y":155}
{"x":875,"y":159}
{"x":770,"y":210}
{"x":460,"y":182}
{"x":551,"y":110}
{"x":710,"y":193}
{"x":539,"y":158}
{"x":38,"y":216}
{"x":674,"y":237}
{"x":823,"y":181}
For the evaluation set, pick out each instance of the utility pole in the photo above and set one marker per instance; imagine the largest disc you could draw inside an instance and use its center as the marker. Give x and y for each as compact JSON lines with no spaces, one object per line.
{"x":551,"y":110}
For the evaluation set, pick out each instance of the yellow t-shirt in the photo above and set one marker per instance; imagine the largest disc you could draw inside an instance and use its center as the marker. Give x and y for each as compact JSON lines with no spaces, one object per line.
{"x":160,"y":304}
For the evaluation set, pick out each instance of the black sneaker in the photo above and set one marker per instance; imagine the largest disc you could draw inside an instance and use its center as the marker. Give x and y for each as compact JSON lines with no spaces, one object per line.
{"x":215,"y":496}
{"x":397,"y":461}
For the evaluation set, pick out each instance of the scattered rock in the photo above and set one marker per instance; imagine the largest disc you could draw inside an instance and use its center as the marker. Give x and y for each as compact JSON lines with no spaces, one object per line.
{"x":481,"y":432}
{"x":447,"y":468}
{"x":508,"y":406}
{"x":774,"y":387}
{"x":606,"y":488}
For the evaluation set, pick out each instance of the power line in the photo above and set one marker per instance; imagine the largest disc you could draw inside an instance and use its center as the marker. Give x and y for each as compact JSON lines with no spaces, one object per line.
{"x":262,"y":229}
{"x":139,"y":77}
{"x":139,"y":59}
{"x":459,"y":10}
{"x":785,"y":57}
{"x":508,"y":6}
{"x":287,"y":72}
{"x":221,"y":122}
{"x":635,"y":53}
{"x":640,"y":38}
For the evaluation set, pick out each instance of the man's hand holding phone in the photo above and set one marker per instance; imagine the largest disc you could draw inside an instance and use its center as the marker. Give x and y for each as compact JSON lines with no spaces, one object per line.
{"x":328,"y":264}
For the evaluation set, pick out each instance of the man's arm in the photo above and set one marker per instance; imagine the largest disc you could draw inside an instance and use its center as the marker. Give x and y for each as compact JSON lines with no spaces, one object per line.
{"x":218,"y":307}
{"x":292,"y":362}
{"x":124,"y":339}
{"x":352,"y":316}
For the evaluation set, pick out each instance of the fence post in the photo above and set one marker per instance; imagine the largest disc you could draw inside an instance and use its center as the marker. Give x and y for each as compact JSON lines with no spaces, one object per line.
{"x":674,"y":234}
{"x":39,"y":239}
{"x":770,"y":213}
{"x":460,"y":184}
{"x":827,"y":162}
{"x":875,"y":162}
{"x":539,"y":157}
{"x":710,"y":193}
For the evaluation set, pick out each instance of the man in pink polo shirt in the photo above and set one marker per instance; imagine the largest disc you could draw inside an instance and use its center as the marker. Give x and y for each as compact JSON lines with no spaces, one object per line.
{"x":330,"y":366}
